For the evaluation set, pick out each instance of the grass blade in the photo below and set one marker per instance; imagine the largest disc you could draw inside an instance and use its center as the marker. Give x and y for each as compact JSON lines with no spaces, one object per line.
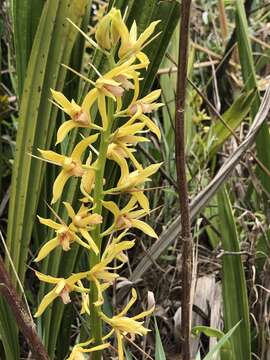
{"x":159,"y":350}
{"x":249,"y":76}
{"x":234,"y":289}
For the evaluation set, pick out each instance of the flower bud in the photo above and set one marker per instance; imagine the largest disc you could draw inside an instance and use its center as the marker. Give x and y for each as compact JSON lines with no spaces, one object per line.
{"x":106,"y":33}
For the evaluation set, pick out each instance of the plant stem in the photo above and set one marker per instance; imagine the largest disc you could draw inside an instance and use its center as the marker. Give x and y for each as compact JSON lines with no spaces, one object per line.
{"x":95,"y":321}
{"x":182,"y":180}
{"x":22,"y":317}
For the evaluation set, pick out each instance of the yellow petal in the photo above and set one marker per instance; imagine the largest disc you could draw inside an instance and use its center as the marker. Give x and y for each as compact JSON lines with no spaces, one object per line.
{"x":120,"y":345}
{"x":52,"y":156}
{"x":112,"y":207}
{"x":76,"y":277}
{"x":129,"y":206}
{"x":69,"y":208}
{"x":129,"y":304}
{"x":65,"y":129}
{"x":46,"y":249}
{"x":118,"y":70}
{"x":103,"y":32}
{"x":91,"y":242}
{"x":46,"y":301}
{"x":121,"y":27}
{"x":144,"y":314}
{"x":119,"y":104}
{"x":59,"y":184}
{"x":133,"y":159}
{"x":102,"y":110}
{"x":47,"y":278}
{"x":89,"y":99}
{"x":143,"y":58}
{"x":96,"y":348}
{"x":62,"y":101}
{"x":133,"y":32}
{"x":82,"y":243}
{"x":151,"y":97}
{"x":142,"y":200}
{"x":150,"y":170}
{"x":147,"y":33}
{"x":82,"y":145}
{"x":52,"y":224}
{"x":87,"y":181}
{"x":136,"y":88}
{"x":151,"y":125}
{"x":122,"y":163}
{"x":138,"y":224}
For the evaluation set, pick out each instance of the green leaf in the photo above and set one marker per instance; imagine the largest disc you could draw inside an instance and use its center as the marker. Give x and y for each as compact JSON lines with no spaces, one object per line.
{"x":53,"y":43}
{"x":26,"y":15}
{"x":221,"y":343}
{"x":159,"y":350}
{"x":234,"y":289}
{"x":249,"y":76}
{"x":232,"y":118}
{"x":208,"y":331}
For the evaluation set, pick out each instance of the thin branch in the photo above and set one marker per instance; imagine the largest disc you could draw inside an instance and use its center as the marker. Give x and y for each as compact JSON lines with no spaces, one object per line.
{"x":182,"y":179}
{"x":22,"y":317}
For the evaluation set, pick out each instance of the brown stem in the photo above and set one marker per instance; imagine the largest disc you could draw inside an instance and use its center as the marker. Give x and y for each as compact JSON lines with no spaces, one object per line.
{"x":181,"y":178}
{"x":22,"y":317}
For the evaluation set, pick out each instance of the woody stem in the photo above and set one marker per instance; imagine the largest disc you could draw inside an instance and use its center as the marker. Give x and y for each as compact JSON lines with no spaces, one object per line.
{"x":95,"y":321}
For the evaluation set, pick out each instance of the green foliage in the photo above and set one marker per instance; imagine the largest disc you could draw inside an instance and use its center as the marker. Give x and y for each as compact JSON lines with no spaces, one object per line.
{"x":159,"y":350}
{"x":234,"y":286}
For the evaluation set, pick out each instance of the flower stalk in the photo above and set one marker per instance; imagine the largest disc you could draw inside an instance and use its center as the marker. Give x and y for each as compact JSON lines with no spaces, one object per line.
{"x":95,"y":320}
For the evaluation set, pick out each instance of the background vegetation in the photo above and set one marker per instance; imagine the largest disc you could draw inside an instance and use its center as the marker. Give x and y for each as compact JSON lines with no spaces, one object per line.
{"x":228,"y":171}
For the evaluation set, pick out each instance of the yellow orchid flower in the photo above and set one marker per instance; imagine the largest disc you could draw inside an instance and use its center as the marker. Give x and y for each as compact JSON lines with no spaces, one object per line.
{"x":71,"y":165}
{"x":111,"y":246}
{"x":83,"y":222}
{"x":62,"y":289}
{"x":138,"y":109}
{"x":78,"y":350}
{"x":114,"y":83}
{"x":131,"y":183}
{"x":130,"y":44}
{"x":64,"y":237}
{"x":102,"y":272}
{"x":127,"y":218}
{"x":123,"y":325}
{"x":80,"y":115}
{"x":119,"y":148}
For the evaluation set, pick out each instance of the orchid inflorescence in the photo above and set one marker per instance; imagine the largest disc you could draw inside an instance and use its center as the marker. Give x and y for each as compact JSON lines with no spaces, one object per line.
{"x":117,"y":143}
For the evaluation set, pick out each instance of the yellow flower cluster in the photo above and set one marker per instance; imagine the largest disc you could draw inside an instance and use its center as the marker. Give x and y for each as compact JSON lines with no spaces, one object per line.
{"x":116,"y":143}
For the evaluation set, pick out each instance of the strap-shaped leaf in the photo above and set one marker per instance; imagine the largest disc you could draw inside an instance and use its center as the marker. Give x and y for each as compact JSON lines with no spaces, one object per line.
{"x":52,"y":46}
{"x":26,"y":16}
{"x":234,"y":290}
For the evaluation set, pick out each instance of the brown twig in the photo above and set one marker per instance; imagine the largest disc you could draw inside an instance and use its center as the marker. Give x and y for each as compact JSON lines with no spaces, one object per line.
{"x":22,"y":317}
{"x":181,"y":178}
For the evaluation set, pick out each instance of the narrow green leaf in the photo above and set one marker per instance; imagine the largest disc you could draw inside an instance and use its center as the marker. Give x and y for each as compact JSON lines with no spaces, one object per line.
{"x":53,"y":44}
{"x":249,"y":76}
{"x":26,"y":15}
{"x":233,"y":118}
{"x":159,"y":350}
{"x":221,"y":343}
{"x":234,"y":289}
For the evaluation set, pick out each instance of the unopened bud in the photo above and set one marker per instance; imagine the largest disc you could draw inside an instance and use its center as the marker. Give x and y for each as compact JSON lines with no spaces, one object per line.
{"x":106,"y":33}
